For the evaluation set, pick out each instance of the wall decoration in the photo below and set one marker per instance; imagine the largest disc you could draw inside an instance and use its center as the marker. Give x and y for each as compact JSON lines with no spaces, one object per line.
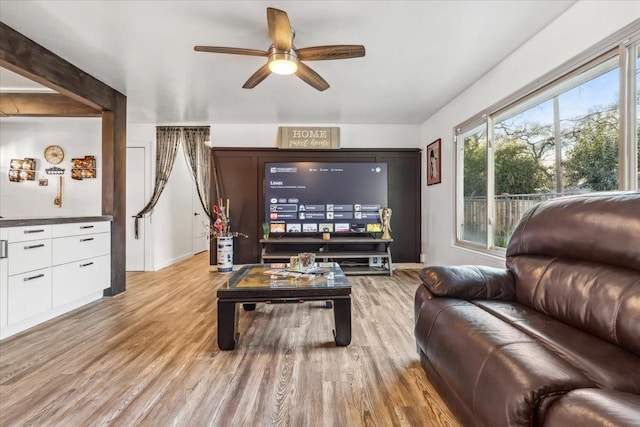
{"x":309,"y":138}
{"x":83,"y":168}
{"x":22,"y":170}
{"x":58,"y":200}
{"x":55,"y":170}
{"x":43,"y":182}
{"x":433,"y":163}
{"x":54,"y":154}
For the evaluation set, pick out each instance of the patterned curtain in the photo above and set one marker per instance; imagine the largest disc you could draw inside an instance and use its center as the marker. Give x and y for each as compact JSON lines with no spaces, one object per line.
{"x":167,"y":140}
{"x":198,"y":154}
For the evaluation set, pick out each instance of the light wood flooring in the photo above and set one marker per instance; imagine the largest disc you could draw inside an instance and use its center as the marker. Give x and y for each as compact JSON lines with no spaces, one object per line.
{"x":150,"y":357}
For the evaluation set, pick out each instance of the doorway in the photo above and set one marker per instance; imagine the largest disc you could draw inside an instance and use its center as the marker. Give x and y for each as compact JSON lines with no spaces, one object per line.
{"x":200,"y":224}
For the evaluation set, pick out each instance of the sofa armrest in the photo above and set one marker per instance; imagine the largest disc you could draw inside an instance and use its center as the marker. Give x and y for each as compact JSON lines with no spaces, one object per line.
{"x":469,"y":282}
{"x":594,"y":407}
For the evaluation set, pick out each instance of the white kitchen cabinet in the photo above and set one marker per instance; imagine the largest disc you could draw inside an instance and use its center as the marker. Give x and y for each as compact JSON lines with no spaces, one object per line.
{"x":80,"y":278}
{"x":29,"y":294}
{"x":79,"y":228}
{"x":26,"y":233}
{"x":29,"y":255}
{"x":50,"y":269}
{"x":4,"y":275}
{"x":74,"y":248}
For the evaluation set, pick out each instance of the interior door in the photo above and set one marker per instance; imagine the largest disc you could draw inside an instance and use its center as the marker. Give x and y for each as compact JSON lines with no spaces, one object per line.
{"x":135,"y":202}
{"x":200,"y":224}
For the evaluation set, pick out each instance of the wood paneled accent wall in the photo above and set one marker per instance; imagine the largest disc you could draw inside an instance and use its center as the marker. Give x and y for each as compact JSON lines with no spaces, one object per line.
{"x":241,"y":175}
{"x":23,"y":56}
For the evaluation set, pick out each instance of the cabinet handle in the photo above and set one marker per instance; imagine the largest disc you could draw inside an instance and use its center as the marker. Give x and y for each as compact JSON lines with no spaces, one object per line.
{"x":4,"y":248}
{"x":33,"y":231}
{"x":86,"y":265}
{"x":87,"y":239}
{"x":26,"y":279}
{"x":41,"y":245}
{"x":86,"y":226}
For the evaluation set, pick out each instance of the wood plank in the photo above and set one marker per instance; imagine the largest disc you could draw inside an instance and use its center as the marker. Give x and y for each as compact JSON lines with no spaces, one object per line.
{"x":43,"y":105}
{"x":149,"y":357}
{"x":114,"y":163}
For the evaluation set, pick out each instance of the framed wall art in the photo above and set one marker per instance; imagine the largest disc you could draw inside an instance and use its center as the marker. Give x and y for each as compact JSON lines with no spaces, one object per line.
{"x":433,"y":163}
{"x":83,"y":168}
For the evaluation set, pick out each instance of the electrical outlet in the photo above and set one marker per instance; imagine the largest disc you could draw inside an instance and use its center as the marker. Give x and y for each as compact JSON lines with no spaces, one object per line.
{"x":421,"y":257}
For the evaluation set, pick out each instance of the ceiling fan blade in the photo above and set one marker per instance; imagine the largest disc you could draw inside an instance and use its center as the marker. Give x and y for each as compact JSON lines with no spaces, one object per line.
{"x":321,"y":53}
{"x":231,"y":50}
{"x":311,"y":77}
{"x":279,"y":29}
{"x":262,"y":73}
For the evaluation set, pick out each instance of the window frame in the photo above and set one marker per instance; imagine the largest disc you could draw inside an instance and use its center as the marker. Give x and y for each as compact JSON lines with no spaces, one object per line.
{"x":625,"y":45}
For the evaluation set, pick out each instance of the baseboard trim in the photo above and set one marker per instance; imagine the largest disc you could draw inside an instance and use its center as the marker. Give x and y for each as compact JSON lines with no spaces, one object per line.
{"x":172,"y":261}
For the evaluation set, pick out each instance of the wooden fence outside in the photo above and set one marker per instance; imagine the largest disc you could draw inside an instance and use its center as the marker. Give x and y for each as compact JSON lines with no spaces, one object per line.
{"x":509,"y":208}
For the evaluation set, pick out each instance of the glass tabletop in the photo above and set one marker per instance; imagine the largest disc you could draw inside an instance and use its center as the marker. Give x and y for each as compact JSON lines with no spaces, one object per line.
{"x":278,"y":276}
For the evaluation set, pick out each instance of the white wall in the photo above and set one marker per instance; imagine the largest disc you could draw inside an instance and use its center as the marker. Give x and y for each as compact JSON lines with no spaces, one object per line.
{"x":578,"y":29}
{"x":169,"y":228}
{"x":172,"y":219}
{"x":22,"y":137}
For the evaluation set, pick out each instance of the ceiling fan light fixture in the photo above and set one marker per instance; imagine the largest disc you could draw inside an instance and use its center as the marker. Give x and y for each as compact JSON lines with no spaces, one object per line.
{"x":283,"y":63}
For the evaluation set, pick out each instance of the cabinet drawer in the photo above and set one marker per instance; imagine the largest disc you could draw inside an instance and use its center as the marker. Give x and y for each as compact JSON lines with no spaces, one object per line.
{"x":80,"y":228}
{"x":31,"y":232}
{"x":74,"y":248}
{"x":3,"y":292}
{"x":28,"y":256}
{"x":28,"y":294}
{"x":80,"y":278}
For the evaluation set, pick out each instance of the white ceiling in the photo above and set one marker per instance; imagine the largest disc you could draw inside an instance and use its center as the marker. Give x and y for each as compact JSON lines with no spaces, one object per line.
{"x":419,"y":54}
{"x":12,"y":82}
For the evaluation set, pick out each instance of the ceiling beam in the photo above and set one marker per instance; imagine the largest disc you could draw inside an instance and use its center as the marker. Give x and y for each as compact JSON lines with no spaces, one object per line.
{"x":43,"y":105}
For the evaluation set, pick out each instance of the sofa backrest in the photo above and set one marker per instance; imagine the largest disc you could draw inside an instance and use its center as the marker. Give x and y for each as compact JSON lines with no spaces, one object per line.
{"x":577,"y":259}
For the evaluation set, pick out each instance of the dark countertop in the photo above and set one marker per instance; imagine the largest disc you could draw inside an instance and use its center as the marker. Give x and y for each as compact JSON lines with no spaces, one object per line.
{"x":17,"y":222}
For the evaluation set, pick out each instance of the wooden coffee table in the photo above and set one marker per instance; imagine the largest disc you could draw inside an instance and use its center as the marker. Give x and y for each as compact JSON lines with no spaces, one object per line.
{"x":264,"y":283}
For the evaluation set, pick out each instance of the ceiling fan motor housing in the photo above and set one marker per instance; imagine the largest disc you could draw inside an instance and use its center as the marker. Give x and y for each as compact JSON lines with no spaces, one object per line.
{"x":282,"y":62}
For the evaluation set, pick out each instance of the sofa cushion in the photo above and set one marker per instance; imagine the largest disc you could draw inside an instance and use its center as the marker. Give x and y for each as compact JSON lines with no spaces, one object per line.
{"x":594,"y":408}
{"x":502,"y":373}
{"x":602,"y":228}
{"x":599,"y":299}
{"x":608,"y":365}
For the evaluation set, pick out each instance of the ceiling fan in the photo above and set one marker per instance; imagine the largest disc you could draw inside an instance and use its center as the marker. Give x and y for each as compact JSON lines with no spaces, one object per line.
{"x":284,"y":58}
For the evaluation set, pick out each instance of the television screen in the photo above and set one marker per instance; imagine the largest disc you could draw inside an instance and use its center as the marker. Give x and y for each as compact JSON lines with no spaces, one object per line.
{"x":318,"y":197}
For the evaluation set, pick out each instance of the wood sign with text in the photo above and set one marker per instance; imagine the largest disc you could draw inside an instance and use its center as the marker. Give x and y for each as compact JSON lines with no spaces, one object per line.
{"x":309,"y":138}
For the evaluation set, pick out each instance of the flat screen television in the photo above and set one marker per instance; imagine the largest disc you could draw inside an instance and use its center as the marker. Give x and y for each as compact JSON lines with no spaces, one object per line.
{"x":308,"y":198}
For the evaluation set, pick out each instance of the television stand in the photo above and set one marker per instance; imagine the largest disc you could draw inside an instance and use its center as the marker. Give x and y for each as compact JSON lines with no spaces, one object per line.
{"x":356,"y":255}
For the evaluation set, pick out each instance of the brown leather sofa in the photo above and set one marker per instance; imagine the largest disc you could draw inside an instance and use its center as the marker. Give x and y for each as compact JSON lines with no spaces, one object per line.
{"x":553,"y":339}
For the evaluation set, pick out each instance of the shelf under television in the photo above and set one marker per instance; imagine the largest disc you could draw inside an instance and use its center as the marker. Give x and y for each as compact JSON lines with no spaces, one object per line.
{"x":332,"y":241}
{"x":352,"y":248}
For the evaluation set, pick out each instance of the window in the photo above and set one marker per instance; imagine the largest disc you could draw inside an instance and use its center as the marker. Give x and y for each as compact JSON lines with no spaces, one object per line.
{"x":475,"y":186}
{"x":636,"y":122}
{"x":563,"y":138}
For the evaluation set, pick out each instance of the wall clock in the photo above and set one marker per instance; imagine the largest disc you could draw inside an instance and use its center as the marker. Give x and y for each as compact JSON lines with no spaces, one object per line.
{"x":53,"y":154}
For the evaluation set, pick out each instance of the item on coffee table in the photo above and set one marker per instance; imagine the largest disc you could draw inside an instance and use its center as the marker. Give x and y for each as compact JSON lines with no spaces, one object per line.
{"x":307,"y":260}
